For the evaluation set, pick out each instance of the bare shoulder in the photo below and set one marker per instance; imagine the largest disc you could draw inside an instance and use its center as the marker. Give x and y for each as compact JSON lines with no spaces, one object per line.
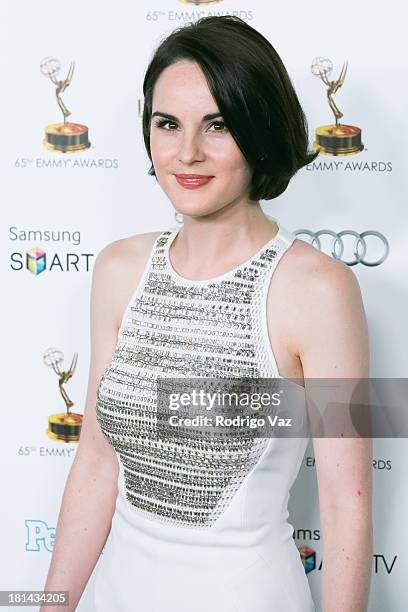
{"x":318,"y":299}
{"x":308,"y":268}
{"x":118,"y":269}
{"x":319,"y":276}
{"x":125,"y":250}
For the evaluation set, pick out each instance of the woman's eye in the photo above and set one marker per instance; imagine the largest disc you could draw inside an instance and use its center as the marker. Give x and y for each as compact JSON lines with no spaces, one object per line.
{"x":165,"y":122}
{"x":222,"y":124}
{"x":161,"y":123}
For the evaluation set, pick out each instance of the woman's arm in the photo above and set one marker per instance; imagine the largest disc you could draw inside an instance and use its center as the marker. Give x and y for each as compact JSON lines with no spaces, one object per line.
{"x":89,"y":497}
{"x":334,"y":344}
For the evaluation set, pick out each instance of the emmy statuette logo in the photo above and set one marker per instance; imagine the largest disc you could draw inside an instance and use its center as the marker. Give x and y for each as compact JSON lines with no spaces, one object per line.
{"x":64,"y":426}
{"x":64,"y":137}
{"x":338,"y":138}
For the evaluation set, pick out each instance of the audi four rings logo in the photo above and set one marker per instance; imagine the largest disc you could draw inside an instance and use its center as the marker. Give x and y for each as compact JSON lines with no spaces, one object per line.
{"x":359,"y":248}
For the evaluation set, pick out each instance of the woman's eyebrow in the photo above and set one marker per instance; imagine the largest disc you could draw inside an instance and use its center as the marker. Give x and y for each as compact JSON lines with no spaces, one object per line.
{"x":173,"y":118}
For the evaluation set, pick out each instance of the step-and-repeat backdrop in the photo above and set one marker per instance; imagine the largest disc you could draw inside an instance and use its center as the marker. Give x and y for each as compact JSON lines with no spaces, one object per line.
{"x":59,"y":209}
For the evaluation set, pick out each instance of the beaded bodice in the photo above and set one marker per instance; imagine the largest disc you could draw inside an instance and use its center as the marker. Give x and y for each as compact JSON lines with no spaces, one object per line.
{"x":175,"y":327}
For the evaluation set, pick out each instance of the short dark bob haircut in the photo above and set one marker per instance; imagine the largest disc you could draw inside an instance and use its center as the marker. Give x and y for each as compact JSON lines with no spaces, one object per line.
{"x":253,"y":92}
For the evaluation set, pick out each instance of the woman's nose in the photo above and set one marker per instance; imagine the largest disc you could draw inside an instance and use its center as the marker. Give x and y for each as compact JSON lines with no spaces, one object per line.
{"x":190,"y":150}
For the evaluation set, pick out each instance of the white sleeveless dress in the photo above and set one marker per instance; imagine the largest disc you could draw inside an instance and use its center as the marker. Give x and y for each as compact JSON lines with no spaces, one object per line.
{"x":200,"y":525}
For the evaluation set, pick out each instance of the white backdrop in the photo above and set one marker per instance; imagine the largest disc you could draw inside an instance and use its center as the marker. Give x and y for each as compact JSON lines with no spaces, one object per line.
{"x":104,"y":193}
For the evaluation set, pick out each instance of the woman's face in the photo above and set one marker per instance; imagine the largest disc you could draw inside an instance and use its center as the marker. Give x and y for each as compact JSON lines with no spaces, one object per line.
{"x":189,"y":144}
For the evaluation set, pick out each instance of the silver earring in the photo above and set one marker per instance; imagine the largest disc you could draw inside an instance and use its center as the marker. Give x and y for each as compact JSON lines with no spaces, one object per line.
{"x":178,"y":217}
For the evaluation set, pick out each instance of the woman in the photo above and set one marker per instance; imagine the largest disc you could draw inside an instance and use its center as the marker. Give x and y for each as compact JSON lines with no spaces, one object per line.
{"x":197,"y":522}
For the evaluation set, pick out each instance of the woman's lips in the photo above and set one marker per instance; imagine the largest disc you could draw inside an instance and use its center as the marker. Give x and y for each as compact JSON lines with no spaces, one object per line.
{"x":193,"y":183}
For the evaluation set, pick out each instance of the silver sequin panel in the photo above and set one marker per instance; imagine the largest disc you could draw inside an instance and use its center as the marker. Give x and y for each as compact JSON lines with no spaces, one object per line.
{"x":173,"y":328}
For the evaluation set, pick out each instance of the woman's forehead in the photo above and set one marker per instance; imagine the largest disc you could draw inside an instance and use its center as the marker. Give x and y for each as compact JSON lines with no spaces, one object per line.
{"x":180,"y":87}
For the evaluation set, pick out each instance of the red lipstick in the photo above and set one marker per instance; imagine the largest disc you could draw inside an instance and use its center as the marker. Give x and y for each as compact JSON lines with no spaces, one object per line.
{"x":192,"y":181}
